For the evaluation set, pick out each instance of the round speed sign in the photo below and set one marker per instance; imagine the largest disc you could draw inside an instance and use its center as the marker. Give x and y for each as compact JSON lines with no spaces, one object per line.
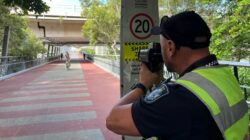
{"x":141,"y":25}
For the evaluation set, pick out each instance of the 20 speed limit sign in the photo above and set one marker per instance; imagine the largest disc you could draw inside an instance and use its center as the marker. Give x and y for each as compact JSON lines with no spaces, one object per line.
{"x":141,"y":25}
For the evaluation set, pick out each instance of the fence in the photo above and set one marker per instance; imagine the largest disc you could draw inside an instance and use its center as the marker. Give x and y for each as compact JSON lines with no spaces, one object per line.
{"x":108,"y":62}
{"x":113,"y":65}
{"x":10,"y":65}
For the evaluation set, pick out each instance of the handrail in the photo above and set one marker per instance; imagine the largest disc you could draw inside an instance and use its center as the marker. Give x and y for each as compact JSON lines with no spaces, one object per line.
{"x":9,"y":68}
{"x":22,"y":62}
{"x":235,"y":66}
{"x":239,"y":64}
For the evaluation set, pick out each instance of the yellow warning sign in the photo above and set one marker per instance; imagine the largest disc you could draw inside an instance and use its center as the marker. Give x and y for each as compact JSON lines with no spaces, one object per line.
{"x":132,"y":49}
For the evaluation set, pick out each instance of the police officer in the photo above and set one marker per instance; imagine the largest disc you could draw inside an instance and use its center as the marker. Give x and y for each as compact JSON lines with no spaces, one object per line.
{"x":204,"y":103}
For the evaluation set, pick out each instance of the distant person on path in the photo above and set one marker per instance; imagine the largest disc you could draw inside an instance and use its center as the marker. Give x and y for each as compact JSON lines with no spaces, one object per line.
{"x":67,"y":60}
{"x":204,"y":103}
{"x":61,"y":56}
{"x":83,"y":55}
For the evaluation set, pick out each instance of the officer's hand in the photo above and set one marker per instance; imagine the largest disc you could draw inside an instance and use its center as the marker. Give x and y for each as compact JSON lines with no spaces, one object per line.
{"x":147,"y":78}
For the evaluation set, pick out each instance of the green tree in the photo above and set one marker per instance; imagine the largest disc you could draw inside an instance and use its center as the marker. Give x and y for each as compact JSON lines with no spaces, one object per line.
{"x":29,"y":48}
{"x":23,"y":42}
{"x":87,"y":50}
{"x":16,"y":23}
{"x":231,"y":38}
{"x":204,"y":7}
{"x":103,"y":22}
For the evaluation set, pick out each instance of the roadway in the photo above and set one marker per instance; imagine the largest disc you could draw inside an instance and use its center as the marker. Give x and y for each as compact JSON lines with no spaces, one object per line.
{"x":52,"y":103}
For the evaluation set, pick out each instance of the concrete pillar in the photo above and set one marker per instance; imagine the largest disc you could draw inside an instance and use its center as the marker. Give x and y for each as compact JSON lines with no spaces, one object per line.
{"x":57,"y":52}
{"x":52,"y":50}
{"x":48,"y":53}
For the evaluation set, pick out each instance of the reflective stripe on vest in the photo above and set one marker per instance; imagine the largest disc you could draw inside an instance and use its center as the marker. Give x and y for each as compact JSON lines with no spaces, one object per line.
{"x":218,"y":89}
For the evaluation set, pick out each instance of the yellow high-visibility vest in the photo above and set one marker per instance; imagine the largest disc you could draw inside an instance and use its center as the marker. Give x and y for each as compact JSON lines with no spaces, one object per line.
{"x":219,"y":90}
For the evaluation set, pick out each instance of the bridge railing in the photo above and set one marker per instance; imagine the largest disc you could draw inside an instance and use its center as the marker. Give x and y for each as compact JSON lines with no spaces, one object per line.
{"x":11,"y":65}
{"x":108,"y":62}
{"x":113,"y":65}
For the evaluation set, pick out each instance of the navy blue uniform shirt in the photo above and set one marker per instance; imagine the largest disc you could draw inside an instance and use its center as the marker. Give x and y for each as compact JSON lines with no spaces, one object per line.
{"x":172,"y":112}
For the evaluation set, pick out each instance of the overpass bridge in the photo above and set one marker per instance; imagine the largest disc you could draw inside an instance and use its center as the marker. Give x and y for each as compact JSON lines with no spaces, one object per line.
{"x":61,"y":33}
{"x":58,"y":31}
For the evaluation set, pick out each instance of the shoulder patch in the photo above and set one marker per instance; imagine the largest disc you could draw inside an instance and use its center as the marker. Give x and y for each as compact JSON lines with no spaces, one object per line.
{"x":156,"y":94}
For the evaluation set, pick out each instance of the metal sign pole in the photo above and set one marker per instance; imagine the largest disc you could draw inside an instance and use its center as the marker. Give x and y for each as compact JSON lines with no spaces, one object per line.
{"x":137,"y":19}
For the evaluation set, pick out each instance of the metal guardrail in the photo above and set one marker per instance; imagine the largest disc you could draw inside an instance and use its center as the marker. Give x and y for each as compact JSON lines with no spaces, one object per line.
{"x":108,"y":62}
{"x":238,"y":64}
{"x":113,"y":65}
{"x":235,"y":66}
{"x":10,"y":65}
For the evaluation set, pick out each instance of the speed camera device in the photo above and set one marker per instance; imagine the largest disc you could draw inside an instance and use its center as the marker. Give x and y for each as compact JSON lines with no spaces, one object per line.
{"x":152,"y":57}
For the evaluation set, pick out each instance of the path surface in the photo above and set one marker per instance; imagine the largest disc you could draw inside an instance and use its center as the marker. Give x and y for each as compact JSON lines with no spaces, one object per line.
{"x":52,"y":103}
